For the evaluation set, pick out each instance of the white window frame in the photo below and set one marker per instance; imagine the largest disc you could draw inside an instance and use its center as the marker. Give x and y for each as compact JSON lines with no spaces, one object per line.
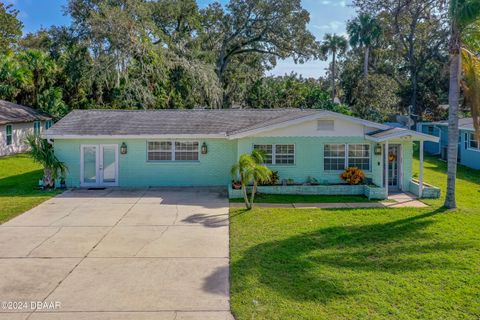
{"x":7,"y":135}
{"x":470,"y":140}
{"x":37,"y":127}
{"x":173,"y":151}
{"x":346,"y":158}
{"x":274,"y":153}
{"x":345,"y":148}
{"x":369,"y":155}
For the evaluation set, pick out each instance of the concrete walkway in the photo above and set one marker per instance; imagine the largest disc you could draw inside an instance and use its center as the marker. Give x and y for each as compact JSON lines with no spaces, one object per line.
{"x":118,"y":254}
{"x":398,"y":200}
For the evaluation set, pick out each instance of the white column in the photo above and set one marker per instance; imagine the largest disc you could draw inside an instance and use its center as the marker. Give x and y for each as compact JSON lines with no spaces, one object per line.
{"x":420,"y":178}
{"x":385,"y":161}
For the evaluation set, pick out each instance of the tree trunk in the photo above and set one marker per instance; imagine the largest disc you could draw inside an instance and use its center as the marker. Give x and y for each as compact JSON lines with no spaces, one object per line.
{"x":334,"y":54}
{"x":413,"y":100}
{"x":254,"y":190}
{"x":48,"y":182}
{"x":365,"y":61}
{"x":245,"y":196}
{"x":453,"y":98}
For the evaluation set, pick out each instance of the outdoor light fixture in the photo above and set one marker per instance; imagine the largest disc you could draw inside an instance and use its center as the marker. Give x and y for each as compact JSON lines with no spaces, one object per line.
{"x":378,"y":149}
{"x":204,"y":148}
{"x":123,"y":148}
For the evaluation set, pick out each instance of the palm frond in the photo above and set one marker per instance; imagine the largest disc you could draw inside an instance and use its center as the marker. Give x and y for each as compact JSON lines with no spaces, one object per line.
{"x":471,"y":86}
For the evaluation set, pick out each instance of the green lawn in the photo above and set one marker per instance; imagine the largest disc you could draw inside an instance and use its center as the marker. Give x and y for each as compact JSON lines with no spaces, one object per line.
{"x":363,"y":263}
{"x":19,"y":177}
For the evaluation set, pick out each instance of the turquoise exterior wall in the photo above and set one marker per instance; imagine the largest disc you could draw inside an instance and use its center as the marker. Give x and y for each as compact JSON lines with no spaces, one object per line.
{"x":309,"y":157}
{"x":213,"y":169}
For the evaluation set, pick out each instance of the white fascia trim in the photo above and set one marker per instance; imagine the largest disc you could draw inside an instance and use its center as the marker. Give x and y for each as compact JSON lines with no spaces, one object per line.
{"x":413,"y":134}
{"x":321,"y":114}
{"x":138,"y":136}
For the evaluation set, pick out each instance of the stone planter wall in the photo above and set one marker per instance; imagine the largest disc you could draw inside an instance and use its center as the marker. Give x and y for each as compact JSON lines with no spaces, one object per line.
{"x":372,"y":192}
{"x":429,"y":191}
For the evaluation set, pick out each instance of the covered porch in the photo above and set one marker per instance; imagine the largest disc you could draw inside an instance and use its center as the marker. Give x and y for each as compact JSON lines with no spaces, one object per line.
{"x":393,"y":144}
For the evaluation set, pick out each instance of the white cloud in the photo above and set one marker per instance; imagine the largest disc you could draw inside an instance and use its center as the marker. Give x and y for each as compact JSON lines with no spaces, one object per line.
{"x":332,"y":25}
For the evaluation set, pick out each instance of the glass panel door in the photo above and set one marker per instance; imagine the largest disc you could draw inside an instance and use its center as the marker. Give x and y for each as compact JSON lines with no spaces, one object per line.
{"x":108,"y":166}
{"x":393,"y":166}
{"x":89,"y":164}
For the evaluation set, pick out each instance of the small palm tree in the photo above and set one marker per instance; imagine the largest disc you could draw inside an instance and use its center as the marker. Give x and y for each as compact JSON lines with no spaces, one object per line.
{"x":250,"y":168}
{"x":463,"y":14}
{"x":42,"y":152}
{"x":364,"y":31}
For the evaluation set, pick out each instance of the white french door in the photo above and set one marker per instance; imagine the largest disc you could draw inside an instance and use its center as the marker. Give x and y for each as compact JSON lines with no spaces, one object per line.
{"x":99,"y":165}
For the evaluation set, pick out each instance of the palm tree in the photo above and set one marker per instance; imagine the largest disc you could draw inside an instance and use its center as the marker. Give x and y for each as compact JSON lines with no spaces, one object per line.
{"x":42,"y":152}
{"x":334,"y":45}
{"x":250,"y":168}
{"x":463,"y":13}
{"x":364,"y":31}
{"x":470,"y":85}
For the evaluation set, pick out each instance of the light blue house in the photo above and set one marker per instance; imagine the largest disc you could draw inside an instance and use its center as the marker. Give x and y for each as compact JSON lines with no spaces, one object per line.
{"x":468,"y":146}
{"x":108,"y":148}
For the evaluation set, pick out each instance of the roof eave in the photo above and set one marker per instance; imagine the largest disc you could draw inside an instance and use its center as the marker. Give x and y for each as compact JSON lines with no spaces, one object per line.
{"x":410,"y":134}
{"x":136,"y":136}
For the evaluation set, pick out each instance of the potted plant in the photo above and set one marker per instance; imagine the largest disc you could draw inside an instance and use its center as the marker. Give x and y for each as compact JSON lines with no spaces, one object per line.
{"x":290,"y":182}
{"x":311,"y":181}
{"x":237,"y":185}
{"x":353,"y":176}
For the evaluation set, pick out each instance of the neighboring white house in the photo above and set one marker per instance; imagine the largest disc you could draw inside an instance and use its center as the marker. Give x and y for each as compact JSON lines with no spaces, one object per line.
{"x":16,"y":122}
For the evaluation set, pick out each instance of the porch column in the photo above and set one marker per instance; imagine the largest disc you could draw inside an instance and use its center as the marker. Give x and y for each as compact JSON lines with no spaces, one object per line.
{"x":385,"y":175}
{"x":420,"y":177}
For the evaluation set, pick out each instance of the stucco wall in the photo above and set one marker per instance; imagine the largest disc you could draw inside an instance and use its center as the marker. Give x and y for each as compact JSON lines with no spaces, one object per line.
{"x":19,"y":131}
{"x":212,"y":169}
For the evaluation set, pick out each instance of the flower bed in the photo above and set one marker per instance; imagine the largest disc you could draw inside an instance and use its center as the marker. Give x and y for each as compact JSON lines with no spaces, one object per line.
{"x":429,"y":191}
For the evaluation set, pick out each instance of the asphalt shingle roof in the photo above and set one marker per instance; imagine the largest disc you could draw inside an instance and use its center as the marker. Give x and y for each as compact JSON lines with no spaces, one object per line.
{"x":166,"y":122}
{"x":15,"y":113}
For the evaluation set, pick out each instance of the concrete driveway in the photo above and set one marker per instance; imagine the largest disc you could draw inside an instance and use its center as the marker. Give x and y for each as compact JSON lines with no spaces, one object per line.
{"x":118,"y":254}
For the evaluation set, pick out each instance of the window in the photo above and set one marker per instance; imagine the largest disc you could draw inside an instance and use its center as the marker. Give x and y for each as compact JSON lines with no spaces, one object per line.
{"x":48,"y":124}
{"x":430,"y":130}
{"x":36,"y":127}
{"x":334,"y":157}
{"x":172,"y":151}
{"x":186,"y":151}
{"x":268,"y":149}
{"x":339,"y":156}
{"x":159,"y":151}
{"x":359,"y":156}
{"x":281,"y":154}
{"x":284,"y":154}
{"x":8,"y":132}
{"x":473,"y":143}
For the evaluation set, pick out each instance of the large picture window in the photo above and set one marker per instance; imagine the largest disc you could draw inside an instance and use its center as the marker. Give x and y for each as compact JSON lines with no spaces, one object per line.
{"x":337,"y":157}
{"x":280,"y":154}
{"x":172,"y":151}
{"x":359,"y":156}
{"x":472,"y":142}
{"x":334,"y":157}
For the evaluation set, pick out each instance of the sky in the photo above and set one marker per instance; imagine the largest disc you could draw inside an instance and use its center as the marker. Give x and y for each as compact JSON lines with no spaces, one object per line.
{"x":326,"y":16}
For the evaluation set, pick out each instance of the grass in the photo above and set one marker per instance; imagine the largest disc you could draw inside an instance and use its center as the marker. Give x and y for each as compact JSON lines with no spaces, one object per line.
{"x":360,"y":263}
{"x":19,"y":177}
{"x":292,"y":198}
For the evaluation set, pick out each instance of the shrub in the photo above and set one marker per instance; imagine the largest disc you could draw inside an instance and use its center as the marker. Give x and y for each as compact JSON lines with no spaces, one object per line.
{"x":353,"y":176}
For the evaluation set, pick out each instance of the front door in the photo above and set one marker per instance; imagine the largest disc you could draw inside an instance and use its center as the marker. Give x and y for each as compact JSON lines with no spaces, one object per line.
{"x":99,"y":165}
{"x":394,"y":166}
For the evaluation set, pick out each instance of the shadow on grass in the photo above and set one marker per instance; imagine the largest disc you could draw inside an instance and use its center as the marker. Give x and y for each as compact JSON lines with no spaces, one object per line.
{"x":23,"y":185}
{"x":308,"y":266}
